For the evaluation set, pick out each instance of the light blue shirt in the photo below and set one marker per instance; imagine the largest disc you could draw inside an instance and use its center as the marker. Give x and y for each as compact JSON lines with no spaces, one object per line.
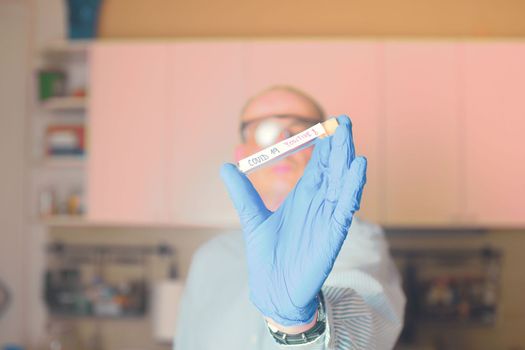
{"x":363,"y":296}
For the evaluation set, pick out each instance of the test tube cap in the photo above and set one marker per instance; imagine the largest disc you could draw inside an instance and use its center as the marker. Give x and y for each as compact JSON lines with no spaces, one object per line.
{"x":330,"y":125}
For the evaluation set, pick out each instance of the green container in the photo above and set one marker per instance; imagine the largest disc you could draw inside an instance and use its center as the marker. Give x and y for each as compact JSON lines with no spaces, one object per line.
{"x":51,"y":84}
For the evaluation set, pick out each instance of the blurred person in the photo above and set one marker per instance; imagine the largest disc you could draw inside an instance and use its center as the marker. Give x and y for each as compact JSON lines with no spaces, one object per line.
{"x":304,"y":272}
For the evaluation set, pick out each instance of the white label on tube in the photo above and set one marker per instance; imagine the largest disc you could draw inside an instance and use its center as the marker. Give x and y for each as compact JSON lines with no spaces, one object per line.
{"x":281,"y":148}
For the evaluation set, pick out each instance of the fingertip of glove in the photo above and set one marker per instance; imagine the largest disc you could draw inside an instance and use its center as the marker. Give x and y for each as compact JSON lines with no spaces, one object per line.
{"x":359,"y":166}
{"x":344,"y":119}
{"x":227,"y":169}
{"x":362,"y":161}
{"x":343,"y":131}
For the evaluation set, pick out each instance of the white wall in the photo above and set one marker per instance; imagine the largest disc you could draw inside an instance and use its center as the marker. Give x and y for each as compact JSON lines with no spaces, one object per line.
{"x":14,"y":35}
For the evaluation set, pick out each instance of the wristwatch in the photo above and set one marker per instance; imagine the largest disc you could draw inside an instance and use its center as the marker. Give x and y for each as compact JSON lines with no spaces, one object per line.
{"x":310,"y":335}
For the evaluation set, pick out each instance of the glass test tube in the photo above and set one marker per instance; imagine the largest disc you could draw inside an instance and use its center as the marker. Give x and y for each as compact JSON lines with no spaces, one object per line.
{"x":287,"y":147}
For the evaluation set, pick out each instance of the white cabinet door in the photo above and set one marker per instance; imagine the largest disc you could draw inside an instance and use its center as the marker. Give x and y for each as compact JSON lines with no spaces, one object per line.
{"x":494,"y":141}
{"x":344,"y":76}
{"x":127,"y":129}
{"x":422,"y":134}
{"x":205,"y":96}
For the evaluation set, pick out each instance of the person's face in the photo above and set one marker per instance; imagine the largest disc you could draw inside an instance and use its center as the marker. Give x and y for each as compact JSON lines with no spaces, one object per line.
{"x":274,"y":182}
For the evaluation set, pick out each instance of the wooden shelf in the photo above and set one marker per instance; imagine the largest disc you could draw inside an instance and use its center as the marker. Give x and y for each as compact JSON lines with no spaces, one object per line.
{"x":72,"y":317}
{"x":69,"y":103}
{"x":81,"y":221}
{"x":67,"y":47}
{"x":64,"y":162}
{"x":64,"y":221}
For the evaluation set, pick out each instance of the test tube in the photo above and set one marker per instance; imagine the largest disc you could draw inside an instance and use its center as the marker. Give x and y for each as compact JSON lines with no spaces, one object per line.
{"x":284,"y":148}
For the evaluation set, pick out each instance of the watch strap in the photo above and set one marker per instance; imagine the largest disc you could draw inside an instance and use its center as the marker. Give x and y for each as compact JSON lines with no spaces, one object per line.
{"x":308,"y":336}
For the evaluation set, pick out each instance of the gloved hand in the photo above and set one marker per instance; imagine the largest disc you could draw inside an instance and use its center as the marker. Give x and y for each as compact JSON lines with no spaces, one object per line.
{"x":291,"y":251}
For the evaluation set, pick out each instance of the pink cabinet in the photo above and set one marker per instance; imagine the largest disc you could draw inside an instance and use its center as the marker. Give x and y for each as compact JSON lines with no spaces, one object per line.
{"x":455,"y":114}
{"x":422,"y":135}
{"x":344,"y":76}
{"x":128,"y":134}
{"x":440,"y":123}
{"x":494,"y":145}
{"x":204,"y":101}
{"x":163,"y":119}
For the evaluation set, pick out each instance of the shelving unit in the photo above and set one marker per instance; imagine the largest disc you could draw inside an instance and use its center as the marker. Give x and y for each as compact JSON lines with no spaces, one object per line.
{"x":58,"y":178}
{"x":64,"y":174}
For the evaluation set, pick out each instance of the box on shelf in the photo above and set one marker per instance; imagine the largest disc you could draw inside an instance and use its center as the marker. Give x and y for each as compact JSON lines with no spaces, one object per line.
{"x":83,"y":18}
{"x":51,"y":83}
{"x":65,"y":140}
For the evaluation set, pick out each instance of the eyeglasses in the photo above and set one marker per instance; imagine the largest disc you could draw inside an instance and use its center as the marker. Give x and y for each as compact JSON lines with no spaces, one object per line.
{"x":264,"y":131}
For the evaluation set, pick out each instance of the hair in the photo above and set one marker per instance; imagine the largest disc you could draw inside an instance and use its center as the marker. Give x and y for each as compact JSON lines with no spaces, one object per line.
{"x":290,"y":89}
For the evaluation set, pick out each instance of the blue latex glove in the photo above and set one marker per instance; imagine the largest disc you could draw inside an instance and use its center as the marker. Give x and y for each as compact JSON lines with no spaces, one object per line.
{"x":291,"y":251}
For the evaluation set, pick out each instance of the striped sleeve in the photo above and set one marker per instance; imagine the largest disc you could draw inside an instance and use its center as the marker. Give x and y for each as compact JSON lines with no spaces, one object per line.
{"x":363,"y":296}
